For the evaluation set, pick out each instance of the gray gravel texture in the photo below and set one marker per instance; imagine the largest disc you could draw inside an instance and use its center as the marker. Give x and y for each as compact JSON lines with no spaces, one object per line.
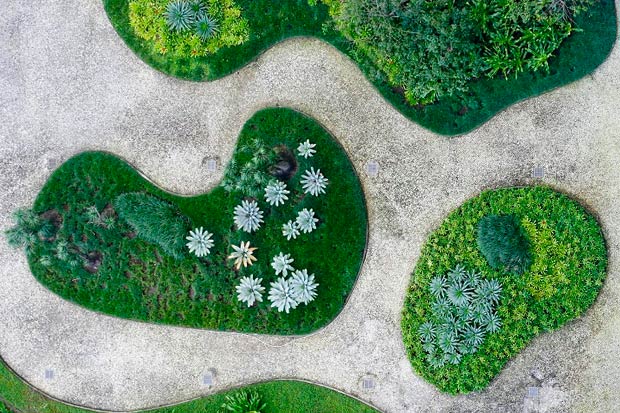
{"x":69,"y":84}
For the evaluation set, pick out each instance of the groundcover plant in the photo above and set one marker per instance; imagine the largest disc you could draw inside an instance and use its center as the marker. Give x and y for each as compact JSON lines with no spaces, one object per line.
{"x":448,"y":92}
{"x":465,"y":317}
{"x":279,"y":260}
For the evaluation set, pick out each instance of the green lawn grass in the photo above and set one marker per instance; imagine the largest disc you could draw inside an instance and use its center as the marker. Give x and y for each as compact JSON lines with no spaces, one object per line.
{"x":271,"y":22}
{"x":136,"y":280}
{"x":567,"y":272}
{"x":280,"y":397}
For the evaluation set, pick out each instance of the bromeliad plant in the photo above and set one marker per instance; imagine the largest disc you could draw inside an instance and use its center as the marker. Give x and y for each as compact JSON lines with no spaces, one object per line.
{"x":463,"y":314}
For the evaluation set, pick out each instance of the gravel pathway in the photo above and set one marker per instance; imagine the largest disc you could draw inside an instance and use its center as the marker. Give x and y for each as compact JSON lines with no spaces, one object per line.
{"x":69,"y":84}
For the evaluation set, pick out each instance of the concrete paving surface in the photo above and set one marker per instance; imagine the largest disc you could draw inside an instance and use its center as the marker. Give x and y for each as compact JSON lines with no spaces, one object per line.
{"x":68,"y":84}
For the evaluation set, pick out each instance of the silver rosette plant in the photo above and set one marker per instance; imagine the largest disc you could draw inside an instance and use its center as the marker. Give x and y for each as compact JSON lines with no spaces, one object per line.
{"x":304,"y":287}
{"x":248,"y":216}
{"x":282,"y":264}
{"x":306,"y":149}
{"x":290,"y":230}
{"x":281,"y":295}
{"x":200,"y":242}
{"x":276,"y":193}
{"x":250,"y":290}
{"x":306,"y":221}
{"x":314,"y":182}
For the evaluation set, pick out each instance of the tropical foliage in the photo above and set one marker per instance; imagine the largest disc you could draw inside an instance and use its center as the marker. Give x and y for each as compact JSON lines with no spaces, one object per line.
{"x":434,"y":49}
{"x":569,"y":260}
{"x":243,"y":401}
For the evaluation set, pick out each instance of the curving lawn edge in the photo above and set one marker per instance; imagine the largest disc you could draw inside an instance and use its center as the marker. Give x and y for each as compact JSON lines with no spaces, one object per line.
{"x":282,"y":396}
{"x":578,"y":56}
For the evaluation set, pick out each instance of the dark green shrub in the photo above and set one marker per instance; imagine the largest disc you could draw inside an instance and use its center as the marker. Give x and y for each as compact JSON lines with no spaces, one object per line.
{"x":503,"y":243}
{"x":3,"y":408}
{"x":426,"y":47}
{"x":154,"y":220}
{"x":243,"y":401}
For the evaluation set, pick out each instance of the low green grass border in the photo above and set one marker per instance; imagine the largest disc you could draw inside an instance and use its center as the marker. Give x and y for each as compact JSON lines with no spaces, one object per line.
{"x":543,"y":299}
{"x":281,"y":396}
{"x":129,"y":283}
{"x":578,"y":56}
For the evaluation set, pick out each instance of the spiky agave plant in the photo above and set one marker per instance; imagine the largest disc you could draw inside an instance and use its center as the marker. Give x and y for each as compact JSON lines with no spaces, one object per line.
{"x":179,"y":15}
{"x":206,"y":26}
{"x":243,"y":401}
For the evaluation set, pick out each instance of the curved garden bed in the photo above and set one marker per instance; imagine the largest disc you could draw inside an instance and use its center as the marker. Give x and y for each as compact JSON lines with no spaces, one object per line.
{"x":111,"y":241}
{"x":543,"y":264}
{"x":577,"y":56}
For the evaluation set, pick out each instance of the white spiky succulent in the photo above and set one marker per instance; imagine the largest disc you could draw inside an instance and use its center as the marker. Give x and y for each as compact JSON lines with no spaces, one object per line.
{"x":248,"y":216}
{"x":303,"y":285}
{"x":250,"y":290}
{"x":314,"y":182}
{"x":281,"y":295}
{"x":276,"y":193}
{"x":290,"y":230}
{"x":282,"y":264}
{"x":243,"y":254}
{"x":306,"y":149}
{"x":306,"y":221}
{"x":200,"y":242}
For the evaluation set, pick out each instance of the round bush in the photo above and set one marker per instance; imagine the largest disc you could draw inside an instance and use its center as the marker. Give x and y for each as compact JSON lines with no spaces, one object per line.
{"x":569,"y":260}
{"x":503,"y":243}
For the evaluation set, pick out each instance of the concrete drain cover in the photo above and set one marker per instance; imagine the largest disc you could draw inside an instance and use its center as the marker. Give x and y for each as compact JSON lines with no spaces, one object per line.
{"x":368,"y":383}
{"x":211,"y":164}
{"x":207,"y":379}
{"x":372,"y":168}
{"x":49,"y":374}
{"x":538,"y":172}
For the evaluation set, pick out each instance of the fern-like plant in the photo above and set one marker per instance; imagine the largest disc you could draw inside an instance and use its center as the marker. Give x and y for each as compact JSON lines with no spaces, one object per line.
{"x":243,"y":401}
{"x":28,"y":230}
{"x":154,"y":220}
{"x":503,"y":243}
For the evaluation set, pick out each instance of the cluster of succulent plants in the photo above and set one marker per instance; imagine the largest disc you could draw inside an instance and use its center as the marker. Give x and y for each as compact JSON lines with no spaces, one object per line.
{"x":182,"y":15}
{"x":188,"y":28}
{"x":285,"y":293}
{"x":463,"y":314}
